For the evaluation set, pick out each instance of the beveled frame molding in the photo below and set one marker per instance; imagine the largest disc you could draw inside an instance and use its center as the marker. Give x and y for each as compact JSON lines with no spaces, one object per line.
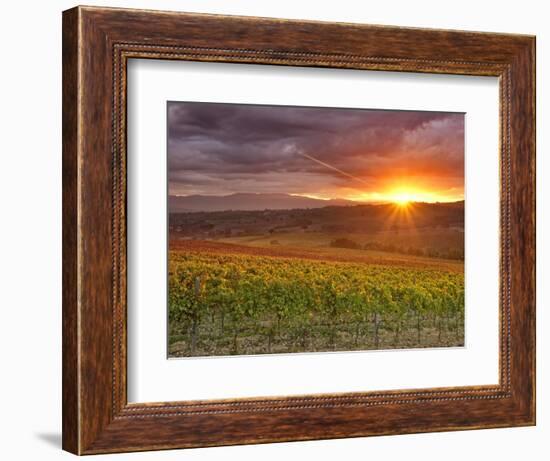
{"x":97,"y":43}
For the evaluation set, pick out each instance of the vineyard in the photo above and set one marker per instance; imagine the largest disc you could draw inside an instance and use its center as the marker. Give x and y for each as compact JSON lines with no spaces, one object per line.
{"x":236,"y":304}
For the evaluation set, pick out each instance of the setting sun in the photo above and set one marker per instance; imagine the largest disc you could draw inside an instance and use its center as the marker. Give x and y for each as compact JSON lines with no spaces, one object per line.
{"x":402,"y":199}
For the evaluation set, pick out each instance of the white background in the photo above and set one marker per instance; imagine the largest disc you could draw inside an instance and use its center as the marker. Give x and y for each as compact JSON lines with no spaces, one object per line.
{"x":153,"y":378}
{"x":30,"y":243}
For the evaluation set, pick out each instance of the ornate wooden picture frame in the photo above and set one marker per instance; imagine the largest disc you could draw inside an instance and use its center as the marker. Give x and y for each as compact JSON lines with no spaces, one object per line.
{"x":97,"y":44}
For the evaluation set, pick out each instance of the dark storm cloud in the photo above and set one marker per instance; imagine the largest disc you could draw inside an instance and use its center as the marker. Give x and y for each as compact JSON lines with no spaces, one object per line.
{"x":223,"y":148}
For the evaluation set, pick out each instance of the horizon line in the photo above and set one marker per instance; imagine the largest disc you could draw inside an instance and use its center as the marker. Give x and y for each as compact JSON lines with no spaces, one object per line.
{"x":374,"y":201}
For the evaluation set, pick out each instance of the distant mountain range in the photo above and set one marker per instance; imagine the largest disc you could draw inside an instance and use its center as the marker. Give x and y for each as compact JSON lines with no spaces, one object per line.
{"x":248,"y":202}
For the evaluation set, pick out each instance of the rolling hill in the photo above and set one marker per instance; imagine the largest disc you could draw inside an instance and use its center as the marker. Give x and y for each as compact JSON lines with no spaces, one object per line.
{"x":248,"y":202}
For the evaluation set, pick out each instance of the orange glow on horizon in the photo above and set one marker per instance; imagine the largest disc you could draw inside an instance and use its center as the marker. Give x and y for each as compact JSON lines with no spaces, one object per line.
{"x":399,"y":192}
{"x":403,"y":196}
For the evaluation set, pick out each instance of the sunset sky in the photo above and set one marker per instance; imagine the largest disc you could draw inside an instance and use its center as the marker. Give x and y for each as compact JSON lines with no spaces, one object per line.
{"x":355,"y":154}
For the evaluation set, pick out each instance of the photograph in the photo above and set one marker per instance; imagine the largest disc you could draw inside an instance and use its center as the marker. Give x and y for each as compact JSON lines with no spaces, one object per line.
{"x":313,"y":229}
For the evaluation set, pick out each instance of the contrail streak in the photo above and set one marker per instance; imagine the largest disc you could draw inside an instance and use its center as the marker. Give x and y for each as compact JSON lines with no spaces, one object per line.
{"x":333,"y":168}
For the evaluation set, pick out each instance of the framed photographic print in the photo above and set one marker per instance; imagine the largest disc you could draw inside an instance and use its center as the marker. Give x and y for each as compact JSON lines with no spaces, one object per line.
{"x":280,"y":230}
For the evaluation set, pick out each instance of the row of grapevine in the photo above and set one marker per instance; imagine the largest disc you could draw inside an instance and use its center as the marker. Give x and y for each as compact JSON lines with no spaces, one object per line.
{"x":223,"y":303}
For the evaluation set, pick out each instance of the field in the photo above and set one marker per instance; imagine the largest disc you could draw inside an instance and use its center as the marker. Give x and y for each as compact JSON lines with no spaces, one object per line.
{"x":246,"y":295}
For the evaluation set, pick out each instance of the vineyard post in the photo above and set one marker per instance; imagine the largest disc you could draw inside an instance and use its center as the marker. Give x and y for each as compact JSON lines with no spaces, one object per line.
{"x":376,"y":324}
{"x":418,"y":325}
{"x":195,"y":320}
